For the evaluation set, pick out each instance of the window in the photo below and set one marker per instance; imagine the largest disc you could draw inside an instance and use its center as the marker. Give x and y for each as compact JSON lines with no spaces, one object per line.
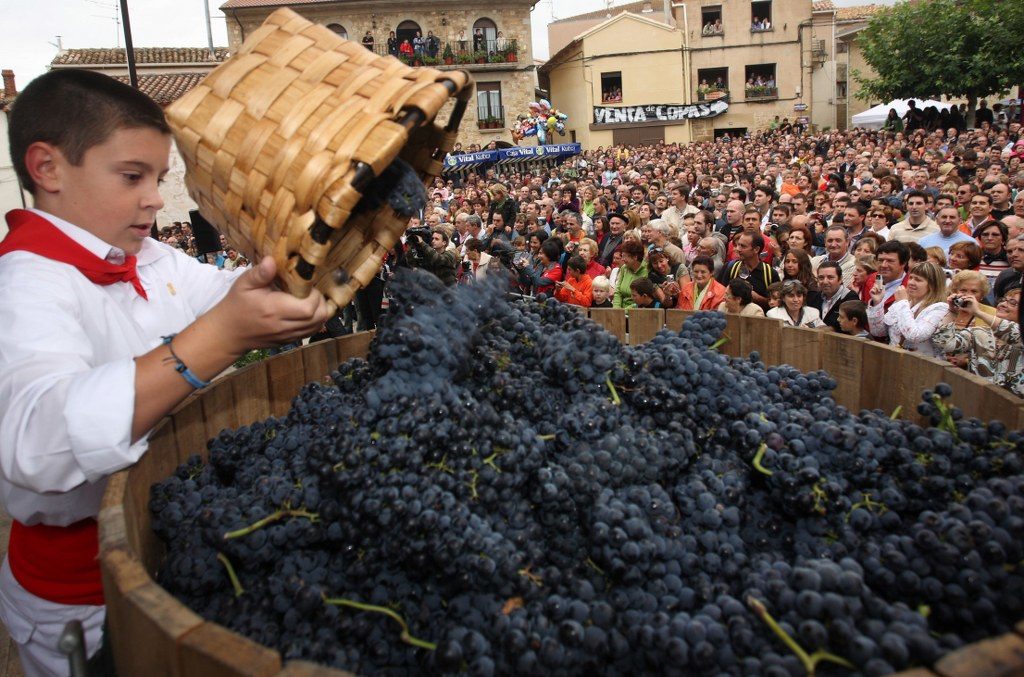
{"x":489,"y":111}
{"x":339,"y":29}
{"x":711,"y":20}
{"x":760,"y":82}
{"x":407,"y":30}
{"x":611,"y":87}
{"x":841,"y":89}
{"x":842,"y":47}
{"x":485,"y":36}
{"x":712,"y":83}
{"x":760,"y":16}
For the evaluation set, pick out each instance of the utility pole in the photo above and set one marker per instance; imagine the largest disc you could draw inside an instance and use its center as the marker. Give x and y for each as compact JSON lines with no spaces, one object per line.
{"x":133,"y":76}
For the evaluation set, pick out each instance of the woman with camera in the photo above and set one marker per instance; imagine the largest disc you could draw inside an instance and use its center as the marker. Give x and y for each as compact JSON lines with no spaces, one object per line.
{"x":986,"y":344}
{"x":915,"y":314}
{"x":541,"y":279}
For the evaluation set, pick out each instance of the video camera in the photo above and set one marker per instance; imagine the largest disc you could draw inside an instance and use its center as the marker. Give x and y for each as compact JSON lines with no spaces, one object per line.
{"x":418,"y":235}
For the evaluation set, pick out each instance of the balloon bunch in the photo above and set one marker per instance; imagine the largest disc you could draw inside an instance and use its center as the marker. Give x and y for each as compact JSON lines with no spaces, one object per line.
{"x":543,"y":120}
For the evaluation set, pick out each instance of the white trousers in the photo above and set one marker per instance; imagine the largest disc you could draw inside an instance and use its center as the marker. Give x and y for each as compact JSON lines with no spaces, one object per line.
{"x":36,"y":624}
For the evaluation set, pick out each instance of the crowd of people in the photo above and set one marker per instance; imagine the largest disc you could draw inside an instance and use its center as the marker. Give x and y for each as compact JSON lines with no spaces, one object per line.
{"x":911,"y":238}
{"x":179,"y":234}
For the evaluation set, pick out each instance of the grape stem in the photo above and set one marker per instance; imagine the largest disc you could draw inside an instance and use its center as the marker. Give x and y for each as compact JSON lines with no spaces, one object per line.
{"x":235,"y":583}
{"x":946,"y":422}
{"x":270,"y":519}
{"x":896,"y":412}
{"x":360,"y":606}
{"x":720,"y":342}
{"x":611,"y":388}
{"x":809,"y":661}
{"x":530,"y":576}
{"x":758,"y":457}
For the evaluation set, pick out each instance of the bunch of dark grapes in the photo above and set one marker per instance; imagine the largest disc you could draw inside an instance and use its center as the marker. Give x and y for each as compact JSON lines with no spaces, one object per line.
{"x":501,"y":487}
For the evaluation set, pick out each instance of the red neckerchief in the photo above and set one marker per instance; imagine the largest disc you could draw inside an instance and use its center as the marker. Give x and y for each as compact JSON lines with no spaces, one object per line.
{"x":32,"y":233}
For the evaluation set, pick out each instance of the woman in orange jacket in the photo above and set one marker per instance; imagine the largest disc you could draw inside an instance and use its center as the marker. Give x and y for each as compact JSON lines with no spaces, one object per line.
{"x":702,"y":292}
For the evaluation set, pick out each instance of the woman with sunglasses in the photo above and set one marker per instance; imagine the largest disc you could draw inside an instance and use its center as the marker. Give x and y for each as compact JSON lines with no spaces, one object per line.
{"x":877,"y":221}
{"x":793,"y":311}
{"x":989,"y":344}
{"x":993,"y":236}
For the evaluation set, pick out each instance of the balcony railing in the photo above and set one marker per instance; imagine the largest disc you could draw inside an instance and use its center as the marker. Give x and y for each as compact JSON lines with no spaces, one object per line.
{"x":711,"y":93}
{"x":455,"y":53}
{"x":762,"y":92}
{"x":492,"y":117}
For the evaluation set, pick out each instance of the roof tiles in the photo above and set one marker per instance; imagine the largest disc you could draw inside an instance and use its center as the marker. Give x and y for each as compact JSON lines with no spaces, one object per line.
{"x":143,"y":55}
{"x":167,"y":88}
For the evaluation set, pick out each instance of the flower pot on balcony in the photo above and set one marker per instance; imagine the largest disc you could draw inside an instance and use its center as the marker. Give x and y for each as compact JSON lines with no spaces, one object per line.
{"x":449,"y":60}
{"x":511,"y":57}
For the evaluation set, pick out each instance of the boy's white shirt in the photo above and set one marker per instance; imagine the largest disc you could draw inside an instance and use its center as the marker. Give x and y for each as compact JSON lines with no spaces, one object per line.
{"x":67,"y":373}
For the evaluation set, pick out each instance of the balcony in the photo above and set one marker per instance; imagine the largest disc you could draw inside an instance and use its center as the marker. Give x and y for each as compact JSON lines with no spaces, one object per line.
{"x":491,"y":55}
{"x":490,"y":118}
{"x":761,"y":93}
{"x":711,"y":93}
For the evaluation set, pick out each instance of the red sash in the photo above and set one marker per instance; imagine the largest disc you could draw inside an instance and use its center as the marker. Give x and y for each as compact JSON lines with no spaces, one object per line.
{"x":32,"y":233}
{"x":58,"y":564}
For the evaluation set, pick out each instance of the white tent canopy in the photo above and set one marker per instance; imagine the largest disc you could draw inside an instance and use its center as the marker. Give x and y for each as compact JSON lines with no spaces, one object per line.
{"x":874,"y":118}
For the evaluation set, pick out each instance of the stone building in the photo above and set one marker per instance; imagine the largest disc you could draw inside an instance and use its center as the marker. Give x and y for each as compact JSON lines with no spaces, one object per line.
{"x":614,"y":94}
{"x":492,"y":42}
{"x":765,"y":58}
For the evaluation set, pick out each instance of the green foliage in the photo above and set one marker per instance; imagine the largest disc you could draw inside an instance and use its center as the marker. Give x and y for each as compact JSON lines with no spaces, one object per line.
{"x":957,"y":48}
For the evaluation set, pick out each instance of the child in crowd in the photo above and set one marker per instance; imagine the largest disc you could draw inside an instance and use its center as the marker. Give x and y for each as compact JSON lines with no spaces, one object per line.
{"x":601,"y":291}
{"x":775,"y":295}
{"x":853,"y":319}
{"x":105,"y":331}
{"x":644,"y":293}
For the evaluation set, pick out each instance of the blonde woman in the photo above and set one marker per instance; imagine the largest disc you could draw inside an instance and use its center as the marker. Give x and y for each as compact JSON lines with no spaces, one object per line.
{"x":915,"y":314}
{"x":971,"y":283}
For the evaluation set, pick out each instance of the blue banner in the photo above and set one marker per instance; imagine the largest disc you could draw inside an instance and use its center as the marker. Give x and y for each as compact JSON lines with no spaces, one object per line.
{"x":510,"y":156}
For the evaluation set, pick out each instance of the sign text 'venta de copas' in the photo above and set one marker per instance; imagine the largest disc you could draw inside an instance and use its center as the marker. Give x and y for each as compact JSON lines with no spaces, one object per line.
{"x":613,"y":115}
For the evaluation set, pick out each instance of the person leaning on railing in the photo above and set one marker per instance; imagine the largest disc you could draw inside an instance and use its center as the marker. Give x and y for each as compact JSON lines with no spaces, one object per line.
{"x":990,"y":344}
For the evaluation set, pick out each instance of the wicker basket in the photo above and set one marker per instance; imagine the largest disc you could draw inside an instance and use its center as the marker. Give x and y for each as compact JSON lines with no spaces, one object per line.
{"x":281,"y":140}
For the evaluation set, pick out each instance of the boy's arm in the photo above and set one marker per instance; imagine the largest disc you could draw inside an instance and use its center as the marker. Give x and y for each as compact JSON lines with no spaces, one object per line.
{"x":252,"y":315}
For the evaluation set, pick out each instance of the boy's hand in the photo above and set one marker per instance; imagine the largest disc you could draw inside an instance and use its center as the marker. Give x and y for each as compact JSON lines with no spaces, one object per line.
{"x":255,"y":315}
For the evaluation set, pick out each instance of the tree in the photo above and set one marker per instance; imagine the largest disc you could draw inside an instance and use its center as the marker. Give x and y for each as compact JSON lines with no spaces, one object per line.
{"x":957,"y":48}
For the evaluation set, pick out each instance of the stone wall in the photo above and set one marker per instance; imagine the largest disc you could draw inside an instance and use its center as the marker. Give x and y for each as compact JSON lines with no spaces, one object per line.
{"x":451,"y":22}
{"x":446,"y":20}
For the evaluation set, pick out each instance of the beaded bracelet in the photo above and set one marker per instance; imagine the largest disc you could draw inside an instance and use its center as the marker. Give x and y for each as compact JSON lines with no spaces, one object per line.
{"x":180,"y":366}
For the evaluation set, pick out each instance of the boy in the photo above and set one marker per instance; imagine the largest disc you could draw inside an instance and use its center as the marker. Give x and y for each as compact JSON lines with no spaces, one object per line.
{"x":90,"y":359}
{"x":853,"y":319}
{"x":644,"y":293}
